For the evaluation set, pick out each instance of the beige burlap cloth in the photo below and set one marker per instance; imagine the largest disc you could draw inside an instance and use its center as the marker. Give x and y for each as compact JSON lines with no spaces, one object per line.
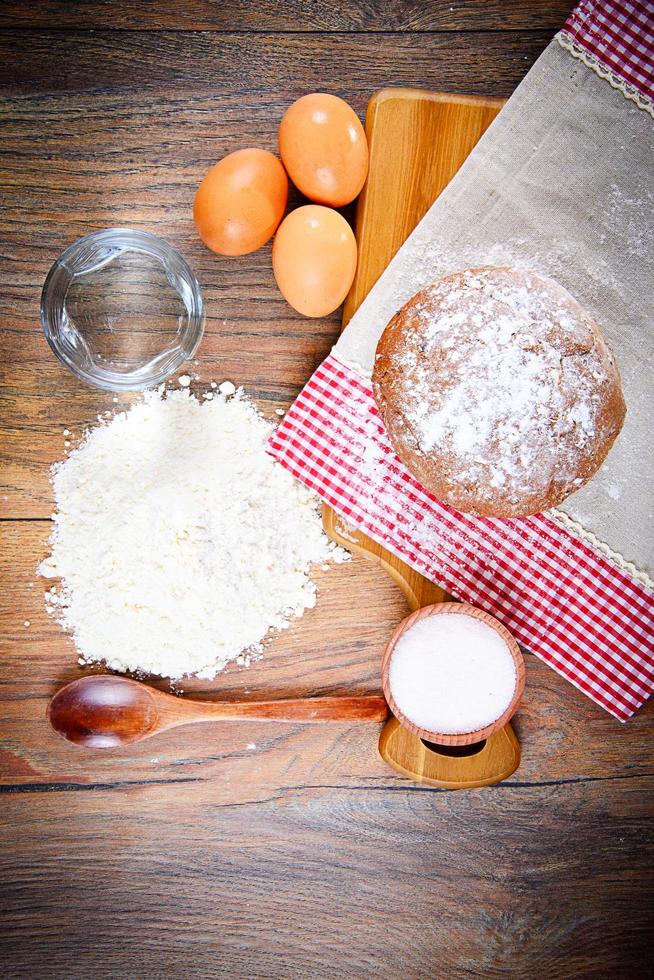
{"x":562,"y":183}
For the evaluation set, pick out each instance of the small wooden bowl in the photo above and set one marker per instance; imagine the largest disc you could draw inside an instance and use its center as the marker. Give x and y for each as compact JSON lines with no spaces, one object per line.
{"x":444,"y":609}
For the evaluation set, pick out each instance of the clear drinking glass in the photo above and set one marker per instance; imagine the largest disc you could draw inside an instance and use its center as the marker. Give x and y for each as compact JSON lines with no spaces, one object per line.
{"x":122,"y":309}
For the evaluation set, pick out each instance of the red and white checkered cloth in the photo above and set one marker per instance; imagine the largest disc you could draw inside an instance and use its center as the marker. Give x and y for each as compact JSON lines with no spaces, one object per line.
{"x":564,"y":601}
{"x":620,"y":35}
{"x":574,"y":608}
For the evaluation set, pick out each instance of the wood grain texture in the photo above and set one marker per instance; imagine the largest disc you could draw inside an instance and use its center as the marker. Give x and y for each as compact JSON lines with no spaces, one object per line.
{"x":251,"y":71}
{"x":274,"y":851}
{"x":155,"y":881}
{"x":489,"y":761}
{"x":289,"y":15}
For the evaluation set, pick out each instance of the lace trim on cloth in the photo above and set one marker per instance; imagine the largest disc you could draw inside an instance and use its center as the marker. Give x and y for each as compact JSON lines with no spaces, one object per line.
{"x":629,"y":91}
{"x":574,"y":527}
{"x":355,"y":366}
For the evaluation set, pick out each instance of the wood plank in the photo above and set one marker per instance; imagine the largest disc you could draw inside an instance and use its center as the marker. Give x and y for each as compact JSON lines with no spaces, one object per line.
{"x":289,"y":15}
{"x":265,"y":68}
{"x":169,"y":881}
{"x":338,"y":644}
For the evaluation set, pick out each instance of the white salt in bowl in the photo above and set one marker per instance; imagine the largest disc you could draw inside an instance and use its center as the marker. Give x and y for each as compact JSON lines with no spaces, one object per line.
{"x":465,"y":676}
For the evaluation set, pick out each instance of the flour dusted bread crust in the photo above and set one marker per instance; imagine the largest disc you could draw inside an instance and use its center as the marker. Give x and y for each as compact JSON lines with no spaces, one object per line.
{"x":498,"y":391}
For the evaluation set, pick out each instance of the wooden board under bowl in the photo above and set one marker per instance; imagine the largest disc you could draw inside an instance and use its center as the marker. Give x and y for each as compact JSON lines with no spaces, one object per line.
{"x":418,"y":140}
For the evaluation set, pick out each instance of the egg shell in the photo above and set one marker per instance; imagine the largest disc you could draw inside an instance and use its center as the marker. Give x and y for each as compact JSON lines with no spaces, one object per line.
{"x":324,"y":149}
{"x":314,"y":259}
{"x":240,"y":202}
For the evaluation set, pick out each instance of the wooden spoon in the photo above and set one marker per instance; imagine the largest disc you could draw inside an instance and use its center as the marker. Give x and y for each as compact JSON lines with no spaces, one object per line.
{"x":101,"y":711}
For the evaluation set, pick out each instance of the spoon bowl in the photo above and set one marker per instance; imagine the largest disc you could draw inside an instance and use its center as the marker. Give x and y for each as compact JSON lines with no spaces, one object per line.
{"x":102,"y":711}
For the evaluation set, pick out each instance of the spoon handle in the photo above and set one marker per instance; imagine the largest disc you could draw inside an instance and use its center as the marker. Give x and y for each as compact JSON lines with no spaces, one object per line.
{"x":301,"y":710}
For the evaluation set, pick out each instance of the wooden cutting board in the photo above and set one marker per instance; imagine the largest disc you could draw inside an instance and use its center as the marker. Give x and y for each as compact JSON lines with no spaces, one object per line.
{"x":418,"y":140}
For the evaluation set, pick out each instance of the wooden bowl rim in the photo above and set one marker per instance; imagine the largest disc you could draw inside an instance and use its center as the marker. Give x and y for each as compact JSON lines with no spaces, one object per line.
{"x":460,"y":608}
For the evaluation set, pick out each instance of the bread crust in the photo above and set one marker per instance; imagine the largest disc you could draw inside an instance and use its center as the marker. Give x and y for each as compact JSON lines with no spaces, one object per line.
{"x":498,"y":391}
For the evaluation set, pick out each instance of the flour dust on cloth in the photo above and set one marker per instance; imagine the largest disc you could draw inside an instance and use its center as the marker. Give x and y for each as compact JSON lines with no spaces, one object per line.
{"x":561,"y":184}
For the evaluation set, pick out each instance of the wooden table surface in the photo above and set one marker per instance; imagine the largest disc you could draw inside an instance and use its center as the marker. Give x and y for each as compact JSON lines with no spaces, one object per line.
{"x":197,"y":854}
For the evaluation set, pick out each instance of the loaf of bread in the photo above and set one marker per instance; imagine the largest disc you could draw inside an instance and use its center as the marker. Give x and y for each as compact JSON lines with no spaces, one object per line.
{"x":498,"y":391}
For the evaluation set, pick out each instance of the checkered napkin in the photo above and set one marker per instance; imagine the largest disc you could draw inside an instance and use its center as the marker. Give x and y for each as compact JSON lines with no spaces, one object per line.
{"x":586,"y":615}
{"x":616,"y":37}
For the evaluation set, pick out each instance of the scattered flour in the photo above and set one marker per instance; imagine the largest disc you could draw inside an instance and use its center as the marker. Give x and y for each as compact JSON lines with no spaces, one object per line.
{"x":180,"y":543}
{"x":452,"y":674}
{"x":614,"y":490}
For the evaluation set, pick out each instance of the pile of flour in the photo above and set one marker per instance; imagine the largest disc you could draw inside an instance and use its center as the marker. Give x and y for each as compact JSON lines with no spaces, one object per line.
{"x":180,"y":543}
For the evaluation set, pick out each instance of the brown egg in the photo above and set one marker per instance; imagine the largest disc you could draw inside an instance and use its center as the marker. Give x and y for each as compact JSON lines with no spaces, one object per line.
{"x":323,"y":147}
{"x":241,"y":201}
{"x":314,"y":259}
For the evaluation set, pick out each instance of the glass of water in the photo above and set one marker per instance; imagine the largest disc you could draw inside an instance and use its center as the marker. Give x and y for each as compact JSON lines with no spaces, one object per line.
{"x":122,"y":309}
